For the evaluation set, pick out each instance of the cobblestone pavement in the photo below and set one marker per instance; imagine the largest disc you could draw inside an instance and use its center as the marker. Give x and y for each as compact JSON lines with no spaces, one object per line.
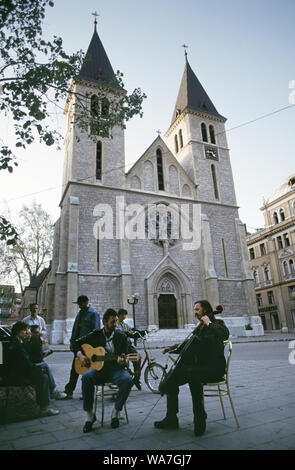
{"x":262,"y":390}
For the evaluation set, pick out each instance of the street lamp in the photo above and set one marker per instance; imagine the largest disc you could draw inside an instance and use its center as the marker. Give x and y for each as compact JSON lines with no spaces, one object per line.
{"x":132,"y":300}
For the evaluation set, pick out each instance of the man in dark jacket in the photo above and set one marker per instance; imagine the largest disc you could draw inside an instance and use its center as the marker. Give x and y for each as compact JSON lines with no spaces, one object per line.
{"x":115,"y":343}
{"x":86,"y":321}
{"x":22,"y":371}
{"x":201,"y":360}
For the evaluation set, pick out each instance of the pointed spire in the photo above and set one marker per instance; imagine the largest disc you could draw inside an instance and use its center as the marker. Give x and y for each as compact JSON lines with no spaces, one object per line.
{"x":96,"y":65}
{"x":192,"y":95}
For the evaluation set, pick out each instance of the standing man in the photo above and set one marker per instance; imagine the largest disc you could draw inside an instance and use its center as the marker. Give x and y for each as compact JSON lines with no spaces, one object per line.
{"x":114,"y":342}
{"x":35,"y":319}
{"x":201,"y":360}
{"x":86,"y":321}
{"x":127,"y":330}
{"x":23,"y":372}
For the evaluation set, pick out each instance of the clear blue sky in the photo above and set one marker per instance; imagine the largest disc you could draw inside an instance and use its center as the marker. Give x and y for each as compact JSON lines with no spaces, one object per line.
{"x":241,"y":51}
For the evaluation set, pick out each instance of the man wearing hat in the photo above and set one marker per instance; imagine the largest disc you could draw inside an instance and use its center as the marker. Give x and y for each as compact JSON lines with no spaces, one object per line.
{"x":86,"y":321}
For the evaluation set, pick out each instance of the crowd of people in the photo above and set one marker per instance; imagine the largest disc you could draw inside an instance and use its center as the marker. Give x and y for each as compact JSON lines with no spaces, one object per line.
{"x":200,"y":360}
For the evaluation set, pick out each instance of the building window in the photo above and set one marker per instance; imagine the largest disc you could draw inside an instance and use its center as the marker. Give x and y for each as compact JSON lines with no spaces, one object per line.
{"x":252,"y":253}
{"x":275,"y":321}
{"x":224,"y":257}
{"x":275,"y":218}
{"x":204,"y":132}
{"x":259,"y":300}
{"x":213,"y":172}
{"x":263,"y":321}
{"x":286,"y":239}
{"x":280,"y":243}
{"x":270,"y":297}
{"x":94,"y":111}
{"x":291,"y":266}
{"x":266,"y":274}
{"x":291,"y":290}
{"x":282,"y":215}
{"x":285,"y":268}
{"x":97,"y":254}
{"x":105,"y":107}
{"x":160,"y":170}
{"x":180,"y":139}
{"x":262,"y":249}
{"x":98,"y":160}
{"x":212,"y":134}
{"x":255,"y":276}
{"x":176,"y":144}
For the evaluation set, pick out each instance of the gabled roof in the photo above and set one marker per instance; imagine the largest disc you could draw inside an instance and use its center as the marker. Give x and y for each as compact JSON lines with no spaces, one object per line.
{"x":192,"y":95}
{"x":96,"y":66}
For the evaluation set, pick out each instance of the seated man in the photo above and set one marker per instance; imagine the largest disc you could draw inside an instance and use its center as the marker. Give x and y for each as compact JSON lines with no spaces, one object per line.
{"x":37,"y":356}
{"x":126,"y":329}
{"x":115,"y":343}
{"x":201,"y":360}
{"x":23,"y":372}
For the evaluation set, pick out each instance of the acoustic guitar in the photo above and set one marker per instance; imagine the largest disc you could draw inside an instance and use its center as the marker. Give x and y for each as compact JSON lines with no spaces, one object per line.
{"x":97,"y":357}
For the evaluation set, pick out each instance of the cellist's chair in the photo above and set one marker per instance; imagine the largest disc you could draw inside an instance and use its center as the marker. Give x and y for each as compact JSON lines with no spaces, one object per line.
{"x":106,"y":390}
{"x":221,"y":388}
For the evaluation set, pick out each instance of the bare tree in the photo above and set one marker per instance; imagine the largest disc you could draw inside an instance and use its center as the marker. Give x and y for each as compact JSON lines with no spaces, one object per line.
{"x":20,"y":262}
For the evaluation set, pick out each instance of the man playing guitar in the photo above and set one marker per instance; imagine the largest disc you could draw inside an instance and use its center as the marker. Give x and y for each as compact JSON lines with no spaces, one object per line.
{"x":115,"y":343}
{"x":201,"y":359}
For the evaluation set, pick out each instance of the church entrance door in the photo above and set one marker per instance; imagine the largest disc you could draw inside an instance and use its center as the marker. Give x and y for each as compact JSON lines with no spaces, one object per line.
{"x":167,"y":311}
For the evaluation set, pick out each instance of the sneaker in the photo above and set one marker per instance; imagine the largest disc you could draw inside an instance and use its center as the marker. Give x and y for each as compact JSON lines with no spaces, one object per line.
{"x":69,"y":396}
{"x":167,"y":423}
{"x":49,"y":412}
{"x":57,"y":395}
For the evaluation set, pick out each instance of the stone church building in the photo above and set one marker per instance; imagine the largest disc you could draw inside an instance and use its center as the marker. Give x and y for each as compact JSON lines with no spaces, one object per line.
{"x":187,"y":178}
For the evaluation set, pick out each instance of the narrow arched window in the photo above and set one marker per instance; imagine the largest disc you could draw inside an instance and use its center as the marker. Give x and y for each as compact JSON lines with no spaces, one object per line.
{"x":204,"y":132}
{"x":282,"y":215}
{"x":180,"y":139}
{"x":176,"y":143}
{"x":213,"y":172}
{"x":212,"y":134}
{"x":291,"y":266}
{"x":105,"y":107}
{"x":160,"y":170}
{"x":285,"y":268}
{"x":98,"y":160}
{"x":94,"y":111}
{"x":266,"y":273}
{"x":255,"y":276}
{"x":275,"y":218}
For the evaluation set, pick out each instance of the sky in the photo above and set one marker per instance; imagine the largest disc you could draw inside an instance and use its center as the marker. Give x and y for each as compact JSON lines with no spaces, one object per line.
{"x":241,"y":51}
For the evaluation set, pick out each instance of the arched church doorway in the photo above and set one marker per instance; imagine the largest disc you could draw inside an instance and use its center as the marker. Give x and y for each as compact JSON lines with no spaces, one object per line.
{"x":167,"y":311}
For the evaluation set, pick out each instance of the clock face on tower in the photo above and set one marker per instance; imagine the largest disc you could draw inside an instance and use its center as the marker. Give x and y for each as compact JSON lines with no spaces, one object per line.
{"x":211,"y":152}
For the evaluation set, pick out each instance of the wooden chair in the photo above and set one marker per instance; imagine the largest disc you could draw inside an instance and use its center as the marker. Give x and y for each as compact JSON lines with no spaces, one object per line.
{"x":106,"y":390}
{"x":221,"y":389}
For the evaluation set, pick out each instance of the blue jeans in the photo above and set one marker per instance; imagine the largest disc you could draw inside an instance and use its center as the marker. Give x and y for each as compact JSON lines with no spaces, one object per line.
{"x":119,"y":377}
{"x":42,"y":391}
{"x":51,"y":381}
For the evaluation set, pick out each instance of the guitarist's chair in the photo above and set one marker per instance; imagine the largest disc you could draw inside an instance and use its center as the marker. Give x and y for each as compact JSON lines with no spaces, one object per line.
{"x":106,"y":390}
{"x":221,"y":388}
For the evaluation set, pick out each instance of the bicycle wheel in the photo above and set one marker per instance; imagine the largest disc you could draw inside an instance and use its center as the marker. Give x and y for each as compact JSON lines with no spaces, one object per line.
{"x":153,"y":375}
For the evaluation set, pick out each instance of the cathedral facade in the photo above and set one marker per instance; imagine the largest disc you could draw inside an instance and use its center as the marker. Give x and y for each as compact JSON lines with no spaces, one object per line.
{"x":168,"y":230}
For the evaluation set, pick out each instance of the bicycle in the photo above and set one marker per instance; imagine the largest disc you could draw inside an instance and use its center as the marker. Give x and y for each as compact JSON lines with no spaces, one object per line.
{"x":154,"y":371}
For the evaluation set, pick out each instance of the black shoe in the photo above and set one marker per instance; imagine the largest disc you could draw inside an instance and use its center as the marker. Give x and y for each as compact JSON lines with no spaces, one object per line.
{"x":200,"y":425}
{"x":167,"y":423}
{"x":137,"y":383}
{"x":88,"y":425}
{"x":115,"y":423}
{"x":69,"y":396}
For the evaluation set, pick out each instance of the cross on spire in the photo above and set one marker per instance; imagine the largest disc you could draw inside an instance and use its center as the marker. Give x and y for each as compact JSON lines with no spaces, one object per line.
{"x":159,"y":133}
{"x":95,"y":14}
{"x":185,"y":48}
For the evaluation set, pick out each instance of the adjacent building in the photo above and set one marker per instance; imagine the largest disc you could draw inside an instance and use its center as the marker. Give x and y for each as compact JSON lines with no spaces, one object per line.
{"x":272,"y":258}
